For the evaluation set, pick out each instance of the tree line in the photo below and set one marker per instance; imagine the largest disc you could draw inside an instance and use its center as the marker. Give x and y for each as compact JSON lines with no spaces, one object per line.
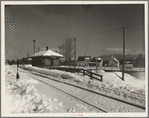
{"x":67,"y":50}
{"x":20,"y":61}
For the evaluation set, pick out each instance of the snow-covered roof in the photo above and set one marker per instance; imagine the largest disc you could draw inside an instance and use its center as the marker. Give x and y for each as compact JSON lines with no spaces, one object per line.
{"x":82,"y":58}
{"x":98,"y":58}
{"x":117,"y":61}
{"x":87,"y":58}
{"x":48,"y":53}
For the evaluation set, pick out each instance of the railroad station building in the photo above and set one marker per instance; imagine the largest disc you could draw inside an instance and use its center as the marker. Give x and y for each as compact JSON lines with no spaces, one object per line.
{"x":46,"y":58}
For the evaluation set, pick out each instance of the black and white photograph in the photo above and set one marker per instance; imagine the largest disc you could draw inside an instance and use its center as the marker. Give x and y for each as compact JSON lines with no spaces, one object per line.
{"x":76,"y":58}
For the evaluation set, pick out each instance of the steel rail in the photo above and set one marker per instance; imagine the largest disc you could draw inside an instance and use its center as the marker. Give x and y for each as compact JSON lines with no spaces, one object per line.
{"x":67,"y":93}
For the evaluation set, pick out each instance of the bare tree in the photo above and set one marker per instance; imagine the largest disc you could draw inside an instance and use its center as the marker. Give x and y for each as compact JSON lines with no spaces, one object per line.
{"x":67,"y":50}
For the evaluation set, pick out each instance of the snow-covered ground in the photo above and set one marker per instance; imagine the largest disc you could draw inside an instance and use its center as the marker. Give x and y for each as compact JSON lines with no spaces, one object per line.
{"x":109,"y":78}
{"x":28,"y":95}
{"x":22,"y":96}
{"x":129,"y":90}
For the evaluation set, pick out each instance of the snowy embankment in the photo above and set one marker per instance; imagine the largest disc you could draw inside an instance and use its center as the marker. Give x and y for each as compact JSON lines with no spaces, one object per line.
{"x":112,"y":79}
{"x":22,"y":97}
{"x":130,"y":82}
{"x":131,"y":90}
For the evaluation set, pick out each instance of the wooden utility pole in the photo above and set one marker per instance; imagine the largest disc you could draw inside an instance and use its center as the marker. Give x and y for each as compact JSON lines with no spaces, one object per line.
{"x":60,"y":48}
{"x":34,"y":45}
{"x":27,"y":53}
{"x":96,"y":64}
{"x":75,"y":52}
{"x":38,"y":49}
{"x":123,"y":53}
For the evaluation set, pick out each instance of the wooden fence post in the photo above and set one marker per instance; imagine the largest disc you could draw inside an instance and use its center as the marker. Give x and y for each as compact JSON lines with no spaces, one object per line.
{"x":83,"y":72}
{"x":91,"y":75}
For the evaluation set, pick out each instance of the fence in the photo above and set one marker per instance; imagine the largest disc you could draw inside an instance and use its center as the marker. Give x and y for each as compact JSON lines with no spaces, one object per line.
{"x":87,"y":72}
{"x":92,"y":74}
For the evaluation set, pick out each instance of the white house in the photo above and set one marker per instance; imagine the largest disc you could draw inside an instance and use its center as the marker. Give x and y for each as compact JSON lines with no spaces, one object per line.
{"x":83,"y":60}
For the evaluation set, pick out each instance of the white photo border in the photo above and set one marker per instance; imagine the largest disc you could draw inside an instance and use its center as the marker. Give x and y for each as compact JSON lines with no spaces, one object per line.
{"x":3,"y":3}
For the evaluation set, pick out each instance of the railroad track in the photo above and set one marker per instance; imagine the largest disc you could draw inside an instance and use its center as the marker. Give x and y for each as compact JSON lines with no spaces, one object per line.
{"x":29,"y":73}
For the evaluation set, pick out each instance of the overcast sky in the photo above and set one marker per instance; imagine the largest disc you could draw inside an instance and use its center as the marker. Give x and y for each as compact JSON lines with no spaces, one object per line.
{"x":96,"y":28}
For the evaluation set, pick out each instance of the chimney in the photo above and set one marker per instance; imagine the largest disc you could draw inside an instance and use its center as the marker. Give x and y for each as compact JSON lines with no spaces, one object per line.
{"x":47,"y":48}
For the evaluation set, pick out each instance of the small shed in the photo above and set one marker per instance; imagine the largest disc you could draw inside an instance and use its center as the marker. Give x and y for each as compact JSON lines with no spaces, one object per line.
{"x":83,"y":60}
{"x":46,"y":58}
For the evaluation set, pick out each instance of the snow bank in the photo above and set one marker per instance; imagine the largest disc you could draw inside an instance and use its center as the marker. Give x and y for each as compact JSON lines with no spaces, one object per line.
{"x":58,"y":73}
{"x":109,"y":78}
{"x":53,"y":73}
{"x":21,"y":95}
{"x":115,"y":79}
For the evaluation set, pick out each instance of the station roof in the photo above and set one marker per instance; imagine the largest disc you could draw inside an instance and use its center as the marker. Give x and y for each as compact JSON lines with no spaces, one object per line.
{"x":48,"y":53}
